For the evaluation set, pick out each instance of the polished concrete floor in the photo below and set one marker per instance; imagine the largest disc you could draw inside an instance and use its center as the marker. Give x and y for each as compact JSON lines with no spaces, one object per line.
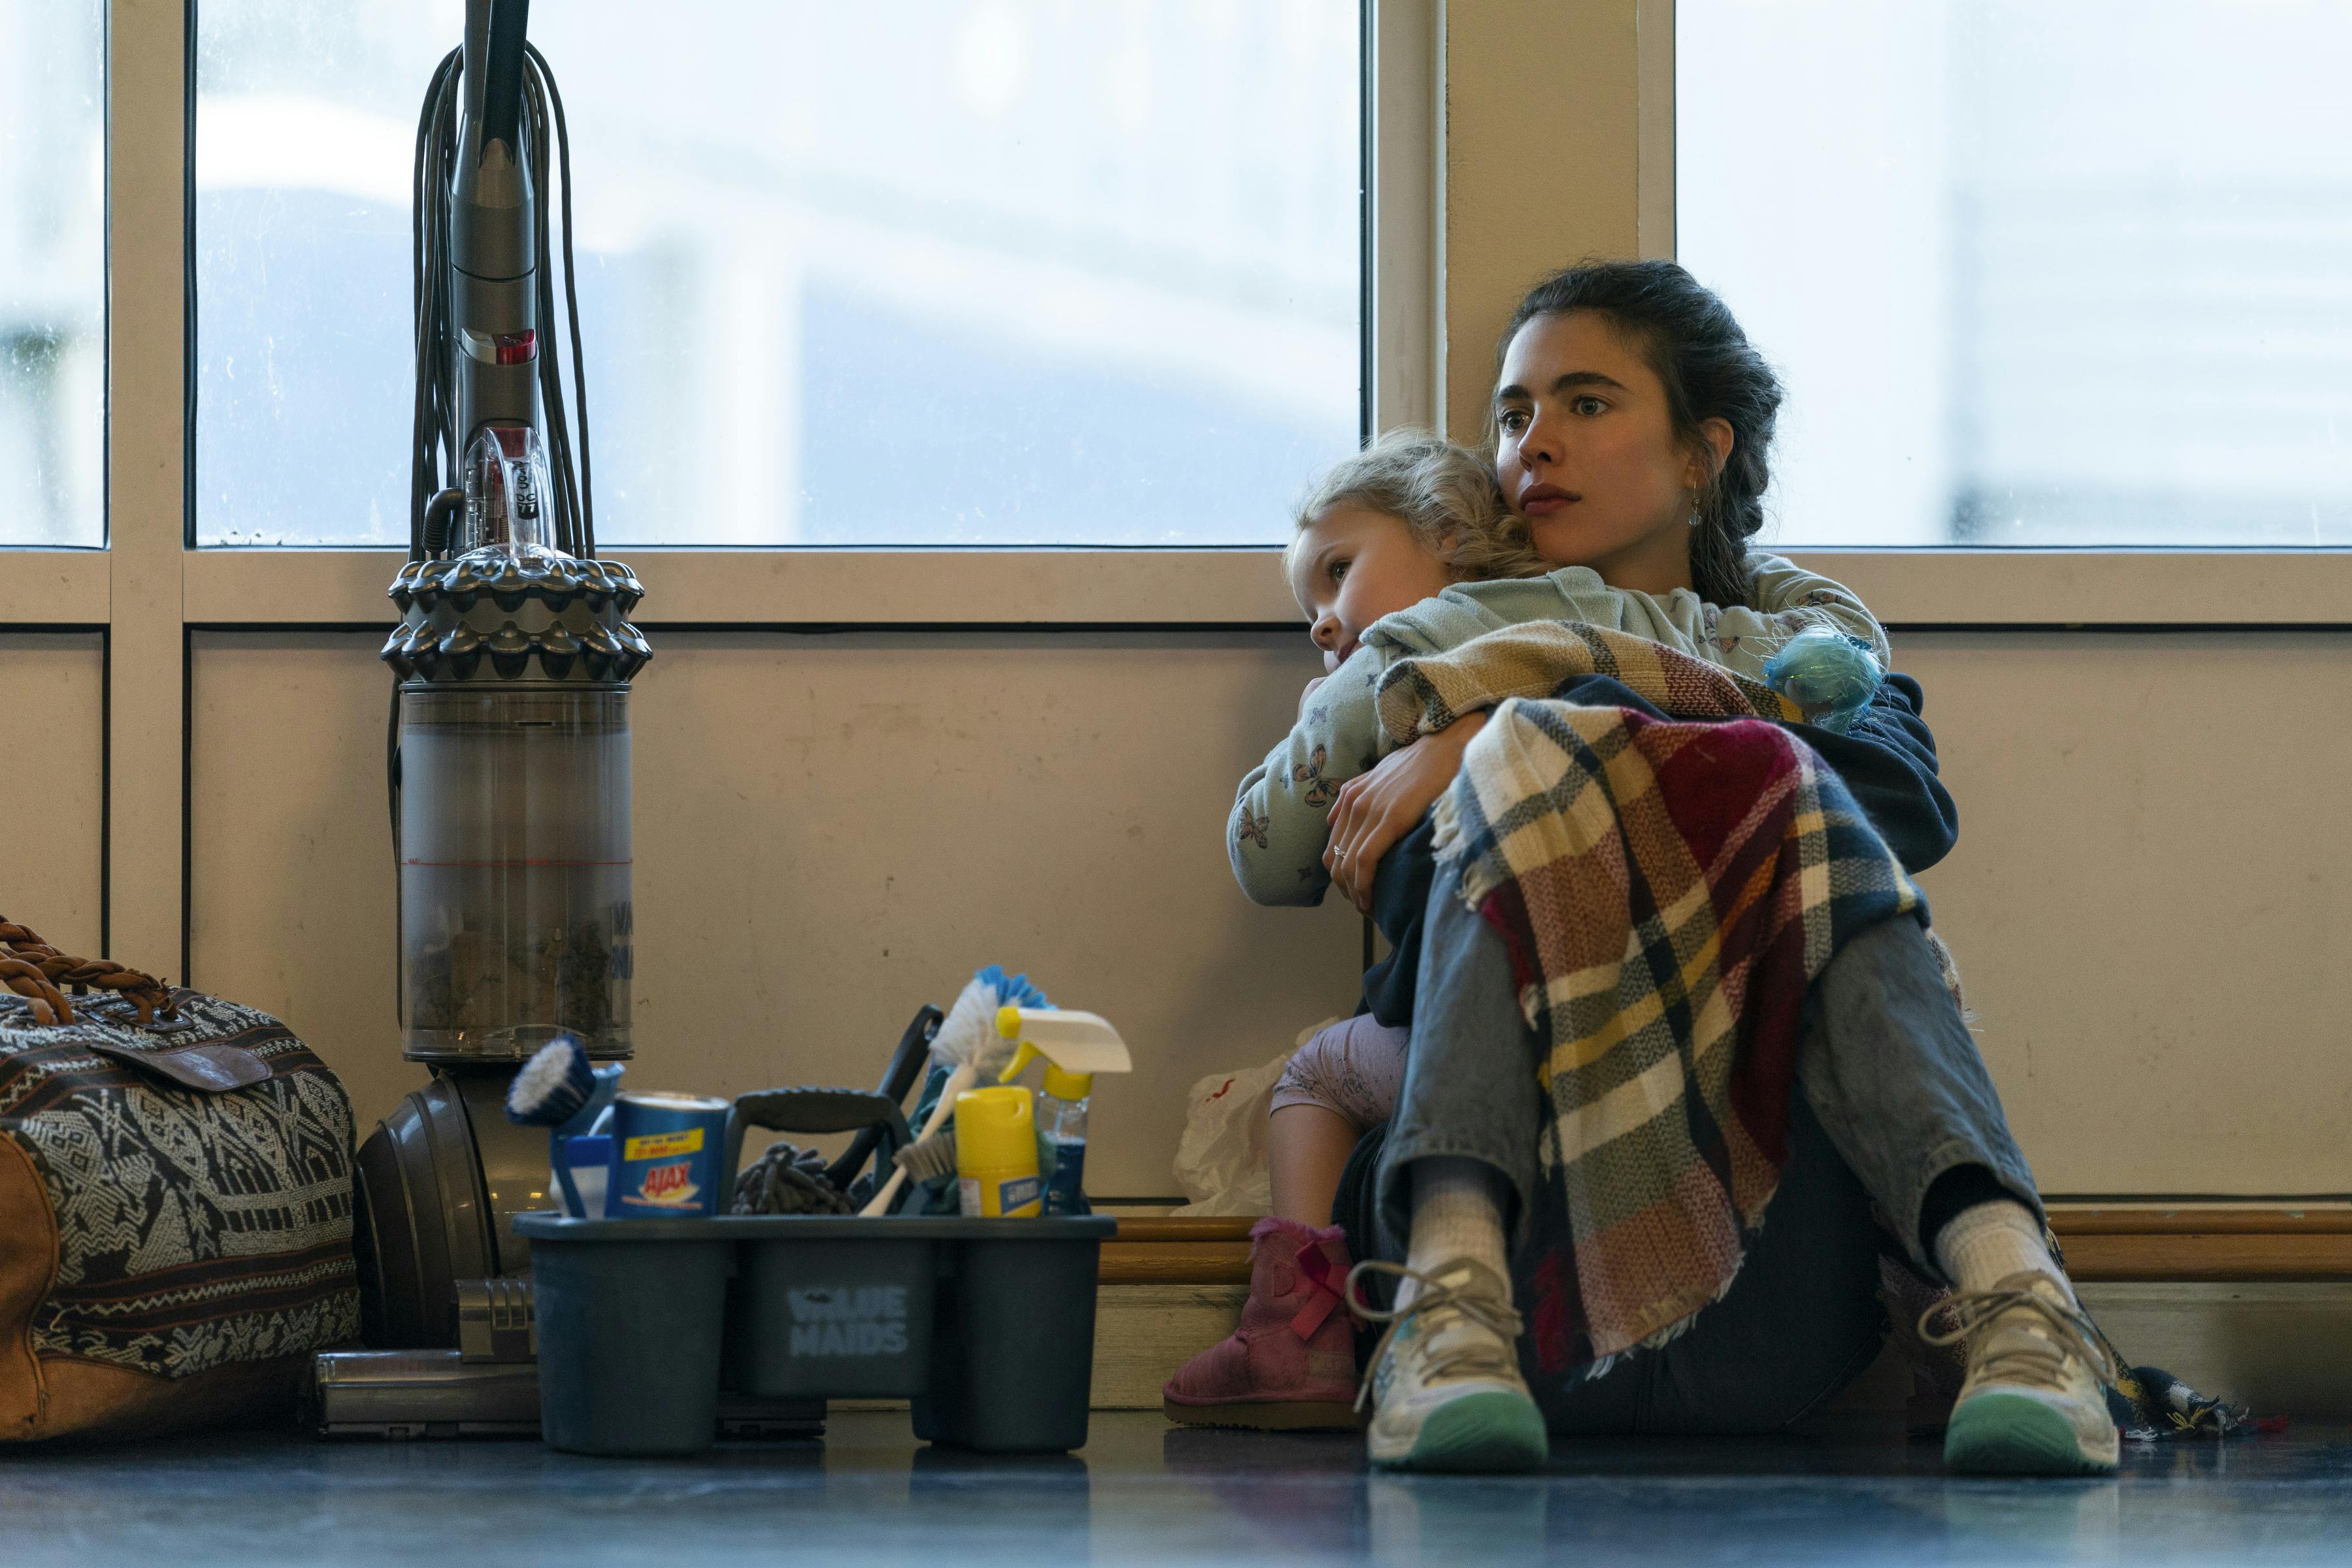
{"x":1143,"y":1491}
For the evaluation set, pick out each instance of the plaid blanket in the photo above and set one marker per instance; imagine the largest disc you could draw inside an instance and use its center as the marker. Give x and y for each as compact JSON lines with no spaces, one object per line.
{"x":1421,"y":696}
{"x":1670,"y":1013}
{"x":1667,"y":892}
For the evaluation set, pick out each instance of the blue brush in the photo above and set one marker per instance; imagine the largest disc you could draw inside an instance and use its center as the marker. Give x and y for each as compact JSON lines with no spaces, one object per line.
{"x":558,"y":1091}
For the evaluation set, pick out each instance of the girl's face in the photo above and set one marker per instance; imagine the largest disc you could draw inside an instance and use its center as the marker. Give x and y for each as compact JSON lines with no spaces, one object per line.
{"x":1353,"y":565}
{"x":1587,"y":455}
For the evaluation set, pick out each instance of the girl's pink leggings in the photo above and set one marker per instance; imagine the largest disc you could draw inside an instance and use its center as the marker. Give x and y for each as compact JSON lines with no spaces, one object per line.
{"x":1356,"y":1068}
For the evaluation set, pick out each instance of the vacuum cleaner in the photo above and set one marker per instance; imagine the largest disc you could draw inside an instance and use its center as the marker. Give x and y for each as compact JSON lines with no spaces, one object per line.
{"x":508,"y":755}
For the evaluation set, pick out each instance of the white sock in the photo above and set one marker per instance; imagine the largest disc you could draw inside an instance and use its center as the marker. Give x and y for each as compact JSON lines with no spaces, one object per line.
{"x":1984,"y":1245}
{"x":1455,"y":1214}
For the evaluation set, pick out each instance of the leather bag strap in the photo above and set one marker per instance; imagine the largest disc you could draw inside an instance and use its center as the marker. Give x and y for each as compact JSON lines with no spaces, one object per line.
{"x":40,"y":973}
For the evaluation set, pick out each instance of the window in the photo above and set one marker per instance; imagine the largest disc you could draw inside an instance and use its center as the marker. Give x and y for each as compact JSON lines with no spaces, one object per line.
{"x":2037,"y":275}
{"x":52,"y":273}
{"x":947,"y":272}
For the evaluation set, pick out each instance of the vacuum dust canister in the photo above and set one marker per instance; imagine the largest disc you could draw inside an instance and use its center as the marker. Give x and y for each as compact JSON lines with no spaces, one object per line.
{"x":514,"y":661}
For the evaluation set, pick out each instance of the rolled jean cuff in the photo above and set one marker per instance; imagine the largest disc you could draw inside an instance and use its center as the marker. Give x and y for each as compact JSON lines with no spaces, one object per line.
{"x":1953,"y":1155}
{"x":1888,"y":1065}
{"x":1395,"y":1184}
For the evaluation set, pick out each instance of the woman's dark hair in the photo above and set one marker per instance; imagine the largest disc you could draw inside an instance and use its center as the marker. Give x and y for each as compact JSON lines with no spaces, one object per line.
{"x":1691,"y":341}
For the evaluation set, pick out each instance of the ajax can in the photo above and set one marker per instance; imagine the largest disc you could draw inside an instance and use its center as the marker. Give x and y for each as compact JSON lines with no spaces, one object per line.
{"x":666,"y":1153}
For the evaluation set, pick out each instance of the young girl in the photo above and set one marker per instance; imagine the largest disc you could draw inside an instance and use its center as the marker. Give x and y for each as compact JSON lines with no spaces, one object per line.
{"x":1407,"y":548}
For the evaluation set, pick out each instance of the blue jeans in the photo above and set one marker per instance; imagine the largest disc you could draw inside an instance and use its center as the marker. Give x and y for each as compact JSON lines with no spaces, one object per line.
{"x":1895,"y":1095}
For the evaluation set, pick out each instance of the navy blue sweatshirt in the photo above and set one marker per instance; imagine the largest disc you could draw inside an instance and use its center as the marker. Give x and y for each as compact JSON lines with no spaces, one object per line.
{"x":1888,"y":760}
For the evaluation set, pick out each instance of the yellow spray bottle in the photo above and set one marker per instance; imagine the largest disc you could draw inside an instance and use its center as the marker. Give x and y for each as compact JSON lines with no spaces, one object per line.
{"x":1076,"y":1045}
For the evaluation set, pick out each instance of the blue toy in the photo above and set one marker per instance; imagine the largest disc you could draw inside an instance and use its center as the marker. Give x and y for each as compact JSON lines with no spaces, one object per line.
{"x":1829,"y":675}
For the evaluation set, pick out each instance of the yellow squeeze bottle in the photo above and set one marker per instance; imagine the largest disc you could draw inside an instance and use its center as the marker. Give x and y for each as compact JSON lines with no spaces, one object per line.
{"x":997,"y":1154}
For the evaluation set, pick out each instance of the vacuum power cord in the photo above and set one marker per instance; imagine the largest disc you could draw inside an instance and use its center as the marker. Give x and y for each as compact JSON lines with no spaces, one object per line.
{"x":434,"y":446}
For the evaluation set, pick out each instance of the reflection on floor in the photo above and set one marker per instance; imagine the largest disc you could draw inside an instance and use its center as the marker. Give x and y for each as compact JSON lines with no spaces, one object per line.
{"x":1144,"y":1491}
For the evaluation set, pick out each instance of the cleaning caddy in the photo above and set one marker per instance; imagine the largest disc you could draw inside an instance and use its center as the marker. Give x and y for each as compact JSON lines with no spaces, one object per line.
{"x":984,"y":1321}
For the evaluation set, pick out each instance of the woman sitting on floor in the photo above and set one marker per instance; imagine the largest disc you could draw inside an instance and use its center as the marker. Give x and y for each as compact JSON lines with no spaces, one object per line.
{"x":1661,"y":972}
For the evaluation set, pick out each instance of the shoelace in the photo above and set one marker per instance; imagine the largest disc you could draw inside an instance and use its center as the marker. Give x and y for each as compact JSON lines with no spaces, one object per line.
{"x":1971,"y":1313}
{"x":1461,"y":1360}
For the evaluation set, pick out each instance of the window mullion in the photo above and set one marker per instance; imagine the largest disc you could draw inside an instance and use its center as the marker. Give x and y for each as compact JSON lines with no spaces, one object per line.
{"x":147,"y":178}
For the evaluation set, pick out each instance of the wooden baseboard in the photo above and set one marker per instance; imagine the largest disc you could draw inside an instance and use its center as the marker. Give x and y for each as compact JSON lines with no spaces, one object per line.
{"x":2252,"y":1302}
{"x":1177,"y":1252}
{"x":2234,"y":1245}
{"x":2251,"y":1244}
{"x":2276,"y":1348}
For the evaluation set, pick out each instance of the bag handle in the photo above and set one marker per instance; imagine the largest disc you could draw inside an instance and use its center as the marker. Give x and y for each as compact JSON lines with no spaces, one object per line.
{"x":33,"y":969}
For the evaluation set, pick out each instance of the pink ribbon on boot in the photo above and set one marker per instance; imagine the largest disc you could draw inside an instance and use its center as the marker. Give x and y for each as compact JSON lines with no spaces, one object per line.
{"x":1317,"y":1271}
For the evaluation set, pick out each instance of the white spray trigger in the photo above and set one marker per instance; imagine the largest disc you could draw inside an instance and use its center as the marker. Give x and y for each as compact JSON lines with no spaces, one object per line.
{"x":1075,"y":1042}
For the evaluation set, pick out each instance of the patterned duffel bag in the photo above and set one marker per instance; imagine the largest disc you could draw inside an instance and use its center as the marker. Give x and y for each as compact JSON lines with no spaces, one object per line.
{"x":175,"y":1204}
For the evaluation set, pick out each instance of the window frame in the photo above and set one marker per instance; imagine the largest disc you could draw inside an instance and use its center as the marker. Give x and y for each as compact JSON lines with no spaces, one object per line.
{"x":1397,"y":104}
{"x":1451,"y":240}
{"x":150,"y":588}
{"x":786,"y":585}
{"x":2040,"y":587}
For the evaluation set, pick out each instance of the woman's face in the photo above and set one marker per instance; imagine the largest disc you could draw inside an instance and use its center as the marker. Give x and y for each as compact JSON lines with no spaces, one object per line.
{"x":1587,"y":455}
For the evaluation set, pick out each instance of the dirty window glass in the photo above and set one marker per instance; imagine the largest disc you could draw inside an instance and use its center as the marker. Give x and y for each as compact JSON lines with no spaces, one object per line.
{"x":938,"y":272}
{"x":52,"y":273}
{"x":2037,"y":275}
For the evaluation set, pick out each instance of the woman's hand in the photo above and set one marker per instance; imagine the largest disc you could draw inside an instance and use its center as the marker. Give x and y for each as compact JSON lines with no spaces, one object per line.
{"x":1374,"y":810}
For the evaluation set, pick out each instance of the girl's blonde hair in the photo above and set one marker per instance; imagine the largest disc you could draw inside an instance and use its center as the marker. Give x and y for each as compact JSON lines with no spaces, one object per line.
{"x":1447,"y":495}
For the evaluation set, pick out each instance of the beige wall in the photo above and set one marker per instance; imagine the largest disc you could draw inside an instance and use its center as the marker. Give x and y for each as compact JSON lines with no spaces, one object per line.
{"x":2149,"y":912}
{"x":830,"y":831}
{"x":49,"y":770}
{"x":2151,"y":901}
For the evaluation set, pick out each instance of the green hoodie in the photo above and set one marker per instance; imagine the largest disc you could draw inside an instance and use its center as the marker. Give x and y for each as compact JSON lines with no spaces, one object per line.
{"x":1281,"y":818}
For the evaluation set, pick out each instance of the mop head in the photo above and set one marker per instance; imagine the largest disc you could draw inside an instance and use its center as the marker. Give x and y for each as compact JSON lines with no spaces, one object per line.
{"x":553,"y":1086}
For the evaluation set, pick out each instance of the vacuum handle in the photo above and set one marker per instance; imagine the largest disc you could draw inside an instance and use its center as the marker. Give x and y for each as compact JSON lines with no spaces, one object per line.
{"x":495,"y":30}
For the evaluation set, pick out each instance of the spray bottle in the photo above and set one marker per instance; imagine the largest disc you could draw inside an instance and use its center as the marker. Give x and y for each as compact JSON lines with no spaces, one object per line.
{"x":1075,"y":1045}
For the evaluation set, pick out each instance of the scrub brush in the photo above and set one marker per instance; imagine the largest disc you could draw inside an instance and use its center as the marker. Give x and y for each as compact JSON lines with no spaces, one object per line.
{"x":966,"y":1046}
{"x":558,"y":1089}
{"x":930,"y":1158}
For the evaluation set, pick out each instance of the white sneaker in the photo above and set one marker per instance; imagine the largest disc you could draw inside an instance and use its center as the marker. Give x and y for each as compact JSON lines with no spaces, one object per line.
{"x":1444,"y":1384}
{"x":2033,"y":1404}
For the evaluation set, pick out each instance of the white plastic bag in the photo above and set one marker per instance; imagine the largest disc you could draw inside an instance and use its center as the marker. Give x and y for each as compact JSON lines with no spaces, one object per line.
{"x":1221,"y":1159}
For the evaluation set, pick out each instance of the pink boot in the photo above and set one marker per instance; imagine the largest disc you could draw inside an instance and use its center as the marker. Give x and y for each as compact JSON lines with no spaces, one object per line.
{"x":1291,"y":1364}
